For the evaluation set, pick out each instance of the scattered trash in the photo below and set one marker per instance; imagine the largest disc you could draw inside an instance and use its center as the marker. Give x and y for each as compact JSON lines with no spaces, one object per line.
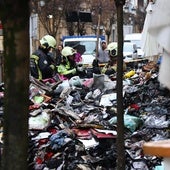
{"x":72,"y":124}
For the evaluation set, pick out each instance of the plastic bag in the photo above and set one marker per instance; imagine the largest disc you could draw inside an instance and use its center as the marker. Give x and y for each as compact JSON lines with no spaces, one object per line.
{"x":130,"y":122}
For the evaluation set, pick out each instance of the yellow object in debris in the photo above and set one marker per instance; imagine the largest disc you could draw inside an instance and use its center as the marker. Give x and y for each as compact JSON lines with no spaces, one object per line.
{"x":129,"y":74}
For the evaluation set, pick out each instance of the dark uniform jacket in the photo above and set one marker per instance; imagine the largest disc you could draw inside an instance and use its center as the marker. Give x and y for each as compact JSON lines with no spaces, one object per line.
{"x":41,"y":65}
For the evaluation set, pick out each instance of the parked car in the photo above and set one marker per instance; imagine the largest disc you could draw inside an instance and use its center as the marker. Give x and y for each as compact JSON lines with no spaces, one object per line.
{"x":129,"y":51}
{"x":136,"y":39}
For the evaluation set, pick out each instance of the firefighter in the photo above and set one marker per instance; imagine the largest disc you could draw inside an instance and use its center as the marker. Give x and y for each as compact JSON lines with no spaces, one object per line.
{"x":42,"y":64}
{"x":111,"y":66}
{"x":67,"y":67}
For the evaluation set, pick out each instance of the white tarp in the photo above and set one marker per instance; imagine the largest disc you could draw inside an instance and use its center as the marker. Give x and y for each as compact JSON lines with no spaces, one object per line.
{"x":148,"y":42}
{"x":159,"y":27}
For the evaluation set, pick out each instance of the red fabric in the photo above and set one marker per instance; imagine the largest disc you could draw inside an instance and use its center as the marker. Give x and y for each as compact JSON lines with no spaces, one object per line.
{"x":39,"y":160}
{"x":34,"y":106}
{"x":102,"y":135}
{"x":135,"y":106}
{"x":48,"y":155}
{"x":83,"y":133}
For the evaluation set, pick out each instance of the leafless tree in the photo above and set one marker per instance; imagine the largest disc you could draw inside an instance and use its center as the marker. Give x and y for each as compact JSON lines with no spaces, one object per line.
{"x":52,"y":12}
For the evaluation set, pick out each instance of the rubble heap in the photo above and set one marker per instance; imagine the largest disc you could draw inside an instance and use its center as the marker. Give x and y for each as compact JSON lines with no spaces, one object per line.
{"x":73,"y":123}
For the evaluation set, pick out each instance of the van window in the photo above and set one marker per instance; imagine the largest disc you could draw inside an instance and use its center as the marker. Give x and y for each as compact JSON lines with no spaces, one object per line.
{"x":137,"y":42}
{"x":134,"y":38}
{"x":90,"y":46}
{"x":128,"y":47}
{"x":83,"y":47}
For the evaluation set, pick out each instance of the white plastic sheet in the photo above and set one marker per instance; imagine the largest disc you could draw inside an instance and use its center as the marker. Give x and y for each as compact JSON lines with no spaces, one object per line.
{"x":149,"y":43}
{"x":159,"y":27}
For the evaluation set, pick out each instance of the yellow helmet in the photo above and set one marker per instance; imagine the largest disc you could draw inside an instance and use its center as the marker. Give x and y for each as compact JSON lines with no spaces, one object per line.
{"x":68,"y":51}
{"x":48,"y":41}
{"x":112,"y":48}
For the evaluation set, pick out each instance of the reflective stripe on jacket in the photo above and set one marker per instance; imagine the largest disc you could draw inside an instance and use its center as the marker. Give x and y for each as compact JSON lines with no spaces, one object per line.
{"x":41,"y":65}
{"x":64,"y":69}
{"x":35,"y":71}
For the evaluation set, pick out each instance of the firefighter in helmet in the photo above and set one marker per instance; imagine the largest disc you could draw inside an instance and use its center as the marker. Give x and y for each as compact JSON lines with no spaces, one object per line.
{"x":111,"y":67}
{"x":67,"y":67}
{"x":42,"y":65}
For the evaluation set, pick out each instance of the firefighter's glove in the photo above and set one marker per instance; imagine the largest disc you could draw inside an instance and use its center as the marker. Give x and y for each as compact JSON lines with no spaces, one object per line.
{"x":73,"y":71}
{"x":52,"y":66}
{"x":80,"y":68}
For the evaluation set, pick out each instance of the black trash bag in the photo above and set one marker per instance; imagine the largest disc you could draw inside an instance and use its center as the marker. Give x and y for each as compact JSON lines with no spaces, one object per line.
{"x":96,"y":67}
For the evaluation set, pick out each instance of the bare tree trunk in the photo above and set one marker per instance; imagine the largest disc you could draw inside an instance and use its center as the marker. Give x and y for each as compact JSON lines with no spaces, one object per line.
{"x":15,"y":17}
{"x":98,"y":31}
{"x":120,"y":110}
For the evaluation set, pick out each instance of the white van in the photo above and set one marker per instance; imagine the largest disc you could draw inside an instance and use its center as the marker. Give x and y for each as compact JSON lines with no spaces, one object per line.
{"x":85,"y":45}
{"x":129,"y":51}
{"x":136,"y":39}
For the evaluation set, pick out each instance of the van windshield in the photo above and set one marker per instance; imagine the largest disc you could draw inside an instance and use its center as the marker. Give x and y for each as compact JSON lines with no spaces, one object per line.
{"x":137,"y":42}
{"x":83,"y":47}
{"x":128,"y":47}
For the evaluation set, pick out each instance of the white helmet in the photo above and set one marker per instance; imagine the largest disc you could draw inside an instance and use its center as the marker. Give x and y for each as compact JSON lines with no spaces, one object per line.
{"x":68,"y":51}
{"x":48,"y":41}
{"x":112,"y":48}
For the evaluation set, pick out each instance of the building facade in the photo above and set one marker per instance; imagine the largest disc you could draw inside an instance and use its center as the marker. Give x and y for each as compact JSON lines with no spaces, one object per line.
{"x":107,"y":25}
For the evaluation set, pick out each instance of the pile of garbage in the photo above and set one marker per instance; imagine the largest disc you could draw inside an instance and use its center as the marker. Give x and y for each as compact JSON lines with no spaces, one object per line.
{"x":73,"y":123}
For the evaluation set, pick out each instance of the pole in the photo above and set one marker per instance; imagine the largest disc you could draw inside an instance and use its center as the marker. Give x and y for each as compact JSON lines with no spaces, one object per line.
{"x":78,"y":27}
{"x":120,"y":110}
{"x":98,"y":30}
